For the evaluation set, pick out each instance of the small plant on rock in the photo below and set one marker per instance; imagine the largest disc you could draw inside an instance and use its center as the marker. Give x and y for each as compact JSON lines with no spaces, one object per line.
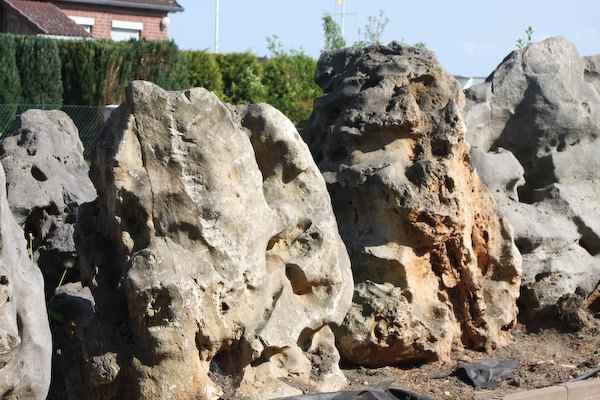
{"x":527,"y":40}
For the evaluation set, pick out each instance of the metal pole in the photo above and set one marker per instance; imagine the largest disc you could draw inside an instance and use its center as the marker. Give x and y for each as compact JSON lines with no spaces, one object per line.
{"x":344,"y":19}
{"x":217,"y":24}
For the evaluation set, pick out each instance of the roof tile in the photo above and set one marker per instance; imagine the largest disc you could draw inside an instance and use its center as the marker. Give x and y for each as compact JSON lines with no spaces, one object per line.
{"x":165,"y":5}
{"x":48,"y":18}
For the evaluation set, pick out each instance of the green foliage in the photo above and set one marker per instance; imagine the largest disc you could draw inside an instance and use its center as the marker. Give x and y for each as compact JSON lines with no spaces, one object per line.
{"x":203,"y":71}
{"x":372,"y":33}
{"x":527,"y":40}
{"x":39,"y":66}
{"x":241,"y":78}
{"x":290,"y":85}
{"x":155,"y":61}
{"x":334,"y":40}
{"x":96,"y":72}
{"x":285,"y":80}
{"x":275,"y":46}
{"x":10,"y":83}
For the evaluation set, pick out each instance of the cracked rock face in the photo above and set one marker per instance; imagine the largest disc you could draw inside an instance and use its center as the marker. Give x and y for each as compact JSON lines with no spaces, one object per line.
{"x":212,"y":253}
{"x":47,"y":180}
{"x":535,"y":130}
{"x":433,"y":262}
{"x":25,"y":341}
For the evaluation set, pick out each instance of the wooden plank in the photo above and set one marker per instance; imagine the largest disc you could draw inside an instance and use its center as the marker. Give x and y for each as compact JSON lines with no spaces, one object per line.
{"x":586,"y":390}
{"x":550,"y":393}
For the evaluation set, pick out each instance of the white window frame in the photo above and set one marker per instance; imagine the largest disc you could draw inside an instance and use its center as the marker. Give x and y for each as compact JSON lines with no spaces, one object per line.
{"x":86,"y":23}
{"x":128,"y":25}
{"x":125,"y":30}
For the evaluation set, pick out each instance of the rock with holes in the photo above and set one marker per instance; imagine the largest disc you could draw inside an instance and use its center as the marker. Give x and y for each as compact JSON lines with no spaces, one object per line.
{"x":542,"y":105}
{"x":212,"y":253}
{"x":47,"y":179}
{"x":25,"y":341}
{"x":434,"y":265}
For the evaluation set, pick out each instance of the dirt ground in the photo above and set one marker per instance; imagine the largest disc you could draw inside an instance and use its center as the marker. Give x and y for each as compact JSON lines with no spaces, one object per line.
{"x":546,"y":358}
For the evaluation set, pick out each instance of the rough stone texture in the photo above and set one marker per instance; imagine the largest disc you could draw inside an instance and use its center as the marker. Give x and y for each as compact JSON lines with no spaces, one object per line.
{"x":25,"y":342}
{"x":212,"y":253}
{"x":72,"y":308}
{"x":433,"y":263}
{"x":542,"y":104}
{"x":47,"y":180}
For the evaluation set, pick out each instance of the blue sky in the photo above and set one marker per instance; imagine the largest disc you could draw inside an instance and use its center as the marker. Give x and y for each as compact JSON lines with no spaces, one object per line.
{"x":469,"y":36}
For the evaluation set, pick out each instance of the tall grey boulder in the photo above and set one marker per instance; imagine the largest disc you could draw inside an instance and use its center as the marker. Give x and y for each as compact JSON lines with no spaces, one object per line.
{"x":212,"y":253}
{"x":47,"y":180}
{"x":25,"y":341}
{"x":535,"y":126}
{"x":434,"y":265}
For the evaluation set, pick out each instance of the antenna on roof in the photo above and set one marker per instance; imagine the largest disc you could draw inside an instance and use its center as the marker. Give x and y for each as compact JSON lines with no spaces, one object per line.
{"x":341,"y":6}
{"x":217,"y":25}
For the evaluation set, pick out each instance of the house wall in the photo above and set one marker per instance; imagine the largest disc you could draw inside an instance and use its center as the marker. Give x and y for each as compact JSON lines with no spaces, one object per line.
{"x":104,"y":16}
{"x":11,"y":22}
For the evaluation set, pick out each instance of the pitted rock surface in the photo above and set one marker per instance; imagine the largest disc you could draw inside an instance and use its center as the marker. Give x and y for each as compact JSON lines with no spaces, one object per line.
{"x":47,"y":180}
{"x":433,"y":262}
{"x":542,"y":104}
{"x":212,"y":253}
{"x":25,"y":341}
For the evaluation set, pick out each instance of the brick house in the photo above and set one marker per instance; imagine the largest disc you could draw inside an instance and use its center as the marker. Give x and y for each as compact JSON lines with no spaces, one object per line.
{"x":104,"y":19}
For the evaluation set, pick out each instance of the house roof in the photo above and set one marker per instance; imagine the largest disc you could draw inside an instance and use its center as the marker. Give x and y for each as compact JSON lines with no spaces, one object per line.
{"x":46,"y":17}
{"x":159,"y":5}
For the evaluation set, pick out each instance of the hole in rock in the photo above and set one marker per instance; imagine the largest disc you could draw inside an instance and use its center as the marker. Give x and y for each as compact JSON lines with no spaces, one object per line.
{"x":38,"y":174}
{"x":266,"y":355}
{"x":226,"y":368}
{"x":590,"y":246}
{"x":525,"y":245}
{"x":541,"y":276}
{"x":3,"y":280}
{"x":449,"y":183}
{"x":300,"y":284}
{"x":305,"y":338}
{"x":338,"y":154}
{"x":224,"y":308}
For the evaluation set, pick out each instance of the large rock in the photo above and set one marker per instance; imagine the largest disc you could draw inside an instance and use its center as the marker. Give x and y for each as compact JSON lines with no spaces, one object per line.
{"x":434,"y":264}
{"x":542,"y":104}
{"x":212,"y":253}
{"x":47,"y":180}
{"x":25,"y":342}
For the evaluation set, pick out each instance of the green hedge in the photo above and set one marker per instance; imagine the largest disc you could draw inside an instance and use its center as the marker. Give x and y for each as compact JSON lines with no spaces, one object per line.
{"x":39,"y":66}
{"x":10,"y":82}
{"x":37,"y":70}
{"x":285,"y":81}
{"x":96,"y":72}
{"x":203,"y":70}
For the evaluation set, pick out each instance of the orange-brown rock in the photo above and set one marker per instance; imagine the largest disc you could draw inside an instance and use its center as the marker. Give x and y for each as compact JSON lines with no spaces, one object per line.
{"x":433,"y":262}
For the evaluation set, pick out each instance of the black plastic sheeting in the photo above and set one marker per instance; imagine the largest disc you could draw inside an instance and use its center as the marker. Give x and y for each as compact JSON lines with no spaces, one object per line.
{"x":487,"y":373}
{"x":371,"y":394}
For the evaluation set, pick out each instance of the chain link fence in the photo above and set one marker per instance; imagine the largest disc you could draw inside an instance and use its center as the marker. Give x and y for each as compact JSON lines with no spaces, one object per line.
{"x":89,"y":120}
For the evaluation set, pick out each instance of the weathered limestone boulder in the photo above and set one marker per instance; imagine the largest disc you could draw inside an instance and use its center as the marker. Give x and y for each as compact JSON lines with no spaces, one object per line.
{"x":212,"y":253}
{"x":535,"y":125}
{"x":47,"y":180}
{"x":25,"y":342}
{"x":434,"y":265}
